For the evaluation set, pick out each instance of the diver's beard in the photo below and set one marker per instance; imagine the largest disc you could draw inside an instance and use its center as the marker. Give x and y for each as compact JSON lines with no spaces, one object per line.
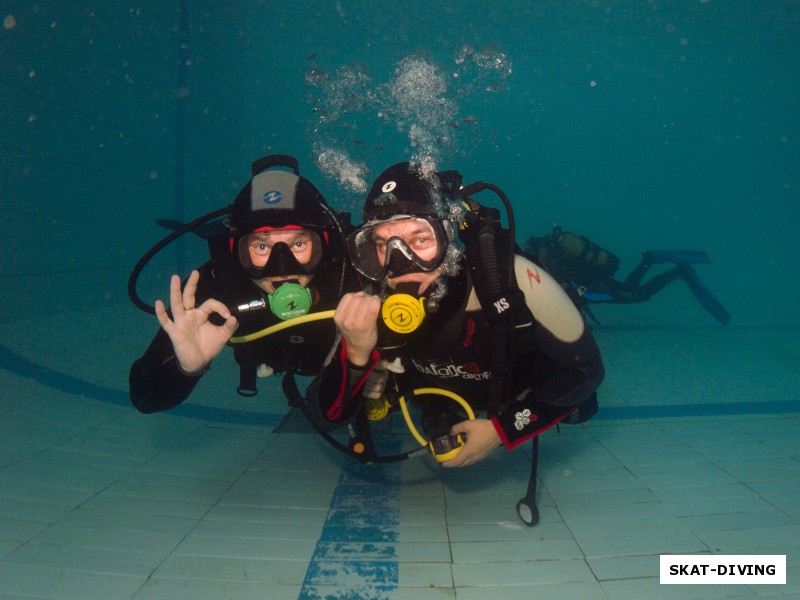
{"x":424,"y":280}
{"x":404,"y":287}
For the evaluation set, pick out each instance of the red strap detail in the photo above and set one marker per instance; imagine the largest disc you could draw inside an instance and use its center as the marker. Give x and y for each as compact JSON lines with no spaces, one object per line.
{"x":511,"y":445}
{"x":501,"y":432}
{"x":336,"y":410}
{"x":268,"y":228}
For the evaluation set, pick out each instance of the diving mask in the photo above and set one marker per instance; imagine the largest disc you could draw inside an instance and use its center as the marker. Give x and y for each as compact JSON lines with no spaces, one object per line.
{"x":397,"y":246}
{"x":270,"y":252}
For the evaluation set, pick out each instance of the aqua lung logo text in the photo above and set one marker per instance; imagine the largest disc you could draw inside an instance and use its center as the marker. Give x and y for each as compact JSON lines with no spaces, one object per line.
{"x":272,"y":197}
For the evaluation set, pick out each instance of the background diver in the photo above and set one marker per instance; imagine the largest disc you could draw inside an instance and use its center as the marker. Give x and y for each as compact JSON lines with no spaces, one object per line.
{"x":586,"y":271}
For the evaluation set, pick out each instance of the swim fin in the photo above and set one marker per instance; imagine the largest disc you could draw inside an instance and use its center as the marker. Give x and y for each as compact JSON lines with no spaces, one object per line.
{"x":679,"y":257}
{"x":703,"y":295}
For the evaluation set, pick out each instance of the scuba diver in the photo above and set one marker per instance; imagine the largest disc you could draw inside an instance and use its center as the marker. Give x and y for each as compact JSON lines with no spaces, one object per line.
{"x":280,"y":259}
{"x":586,"y":272}
{"x":454,"y":308}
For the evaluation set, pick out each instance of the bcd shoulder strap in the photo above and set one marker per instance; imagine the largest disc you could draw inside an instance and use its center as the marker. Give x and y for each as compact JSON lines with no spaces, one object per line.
{"x":491,"y":263}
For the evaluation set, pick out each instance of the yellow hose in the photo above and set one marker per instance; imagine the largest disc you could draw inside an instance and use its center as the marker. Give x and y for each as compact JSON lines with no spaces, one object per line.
{"x":328,"y":314}
{"x":440,"y":392}
{"x":325,"y":314}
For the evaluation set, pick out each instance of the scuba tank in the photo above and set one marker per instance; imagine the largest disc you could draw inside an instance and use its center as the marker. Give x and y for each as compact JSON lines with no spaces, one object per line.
{"x":582,"y":249}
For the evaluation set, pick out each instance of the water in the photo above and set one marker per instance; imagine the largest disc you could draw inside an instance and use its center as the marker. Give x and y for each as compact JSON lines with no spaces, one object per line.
{"x":657,"y":124}
{"x":652,"y":125}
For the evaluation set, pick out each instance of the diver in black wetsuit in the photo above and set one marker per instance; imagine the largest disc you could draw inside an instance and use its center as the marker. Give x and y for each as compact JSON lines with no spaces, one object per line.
{"x":283,"y":252}
{"x":446,"y":341}
{"x":586,"y":272}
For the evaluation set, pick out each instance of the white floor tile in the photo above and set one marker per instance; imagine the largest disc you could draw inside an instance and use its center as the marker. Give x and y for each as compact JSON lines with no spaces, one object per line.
{"x":98,"y":501}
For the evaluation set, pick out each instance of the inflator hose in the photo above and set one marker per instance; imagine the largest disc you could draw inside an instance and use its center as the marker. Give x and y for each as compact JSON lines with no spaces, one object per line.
{"x":137,"y":269}
{"x":325,"y":314}
{"x":486,"y":244}
{"x":437,"y":391}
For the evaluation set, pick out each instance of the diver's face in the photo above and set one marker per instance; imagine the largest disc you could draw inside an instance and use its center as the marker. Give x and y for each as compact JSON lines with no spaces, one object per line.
{"x":299,"y":241}
{"x":259,"y":247}
{"x":420,"y":238}
{"x":416,"y":233}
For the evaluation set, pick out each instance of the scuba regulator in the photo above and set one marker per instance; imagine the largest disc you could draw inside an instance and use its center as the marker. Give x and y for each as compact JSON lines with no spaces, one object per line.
{"x":289,"y":301}
{"x":403,"y":312}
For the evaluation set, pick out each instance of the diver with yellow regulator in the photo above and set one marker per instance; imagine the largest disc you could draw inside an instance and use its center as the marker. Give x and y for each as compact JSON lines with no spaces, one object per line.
{"x":491,"y":326}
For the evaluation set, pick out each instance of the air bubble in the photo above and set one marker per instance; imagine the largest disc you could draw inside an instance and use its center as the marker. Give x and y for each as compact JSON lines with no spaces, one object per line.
{"x":340,"y":167}
{"x":415,"y":111}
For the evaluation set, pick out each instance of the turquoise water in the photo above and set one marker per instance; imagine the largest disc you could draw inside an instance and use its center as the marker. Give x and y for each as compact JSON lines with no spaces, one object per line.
{"x":652,"y":124}
{"x":639,"y":124}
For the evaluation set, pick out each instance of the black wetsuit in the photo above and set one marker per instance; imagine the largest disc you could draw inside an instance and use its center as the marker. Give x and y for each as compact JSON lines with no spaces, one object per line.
{"x":156,"y":382}
{"x":453,"y":352}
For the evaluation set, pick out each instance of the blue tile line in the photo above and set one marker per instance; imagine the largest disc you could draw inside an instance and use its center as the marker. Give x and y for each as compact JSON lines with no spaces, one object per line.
{"x":715,"y":409}
{"x":21,"y":366}
{"x":356,"y":555}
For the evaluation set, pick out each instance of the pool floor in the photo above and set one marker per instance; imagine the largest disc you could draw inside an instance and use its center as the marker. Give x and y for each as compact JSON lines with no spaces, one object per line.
{"x":695,"y":451}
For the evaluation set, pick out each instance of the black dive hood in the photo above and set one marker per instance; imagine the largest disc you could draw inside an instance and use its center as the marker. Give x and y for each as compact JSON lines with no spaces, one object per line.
{"x":304,"y":206}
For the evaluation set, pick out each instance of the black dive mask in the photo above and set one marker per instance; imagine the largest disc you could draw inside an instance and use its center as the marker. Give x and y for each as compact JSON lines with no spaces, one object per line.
{"x":402,"y":260}
{"x":281,"y":262}
{"x":282,"y":259}
{"x":421,"y":247}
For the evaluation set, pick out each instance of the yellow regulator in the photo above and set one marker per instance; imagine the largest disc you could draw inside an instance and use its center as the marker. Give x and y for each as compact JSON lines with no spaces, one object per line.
{"x":403,"y":313}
